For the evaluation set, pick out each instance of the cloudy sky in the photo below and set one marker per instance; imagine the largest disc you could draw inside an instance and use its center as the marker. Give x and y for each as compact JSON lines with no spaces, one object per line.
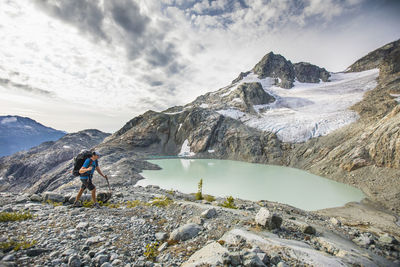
{"x":78,"y":64}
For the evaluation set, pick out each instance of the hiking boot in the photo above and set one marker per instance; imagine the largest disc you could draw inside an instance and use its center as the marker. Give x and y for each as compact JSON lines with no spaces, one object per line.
{"x":96,"y":205}
{"x":77,"y":204}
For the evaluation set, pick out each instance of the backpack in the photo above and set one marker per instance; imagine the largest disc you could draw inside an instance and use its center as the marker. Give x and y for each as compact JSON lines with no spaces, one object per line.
{"x":79,"y":160}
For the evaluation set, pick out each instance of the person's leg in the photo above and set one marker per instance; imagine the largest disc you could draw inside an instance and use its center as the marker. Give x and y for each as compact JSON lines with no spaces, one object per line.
{"x":79,"y":195}
{"x":94,"y":195}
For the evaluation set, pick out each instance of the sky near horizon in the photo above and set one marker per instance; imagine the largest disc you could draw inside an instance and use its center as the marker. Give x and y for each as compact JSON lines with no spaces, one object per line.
{"x":79,"y":64}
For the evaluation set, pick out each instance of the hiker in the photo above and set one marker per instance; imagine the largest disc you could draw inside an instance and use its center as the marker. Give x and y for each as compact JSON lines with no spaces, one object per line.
{"x":86,"y":174}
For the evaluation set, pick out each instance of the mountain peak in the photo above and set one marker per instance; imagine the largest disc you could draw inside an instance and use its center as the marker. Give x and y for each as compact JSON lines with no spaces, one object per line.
{"x":277,"y":66}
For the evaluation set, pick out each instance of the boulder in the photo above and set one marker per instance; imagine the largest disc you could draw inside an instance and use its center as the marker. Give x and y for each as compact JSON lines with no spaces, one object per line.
{"x":35,"y":198}
{"x":252,"y":260}
{"x":334,"y":221}
{"x":103,"y":196}
{"x":161,"y":236}
{"x":74,"y":261}
{"x":33,"y":252}
{"x":211,"y":254}
{"x":209,"y":213}
{"x":197,"y":220}
{"x":363,"y":240}
{"x":100,"y":259}
{"x":52,"y":196}
{"x":185,"y":232}
{"x":268,"y":220}
{"x":386,"y":239}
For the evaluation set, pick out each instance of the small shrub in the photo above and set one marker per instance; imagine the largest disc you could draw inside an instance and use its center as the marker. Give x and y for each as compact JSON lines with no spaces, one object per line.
{"x":171,"y":192}
{"x":161,"y":201}
{"x":53,"y":203}
{"x":6,"y":246}
{"x":229,"y":203}
{"x":134,"y":203}
{"x":151,"y":251}
{"x":221,"y":242}
{"x":209,"y":198}
{"x":87,"y":204}
{"x":15,"y":216}
{"x":110,"y":205}
{"x":199,"y":194}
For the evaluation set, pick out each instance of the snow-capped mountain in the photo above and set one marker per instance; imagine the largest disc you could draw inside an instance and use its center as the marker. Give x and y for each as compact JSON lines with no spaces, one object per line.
{"x":21,"y":133}
{"x":304,"y":111}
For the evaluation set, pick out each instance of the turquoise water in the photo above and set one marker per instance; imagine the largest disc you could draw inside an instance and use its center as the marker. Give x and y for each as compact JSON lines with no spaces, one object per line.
{"x":251,"y":181}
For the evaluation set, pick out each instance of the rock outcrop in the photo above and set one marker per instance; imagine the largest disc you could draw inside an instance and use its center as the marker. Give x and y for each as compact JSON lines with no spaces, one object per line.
{"x":308,"y":73}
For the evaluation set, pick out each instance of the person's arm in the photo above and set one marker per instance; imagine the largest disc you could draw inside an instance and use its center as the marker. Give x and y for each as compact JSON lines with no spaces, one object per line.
{"x":99,"y":171}
{"x":85,"y":167}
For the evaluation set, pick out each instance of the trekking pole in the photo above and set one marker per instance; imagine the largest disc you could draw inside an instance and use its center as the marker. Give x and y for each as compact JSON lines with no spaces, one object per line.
{"x":109,"y":188}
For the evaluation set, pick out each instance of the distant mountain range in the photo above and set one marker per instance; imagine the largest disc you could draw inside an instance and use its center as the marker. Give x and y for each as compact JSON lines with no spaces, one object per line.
{"x":21,"y":133}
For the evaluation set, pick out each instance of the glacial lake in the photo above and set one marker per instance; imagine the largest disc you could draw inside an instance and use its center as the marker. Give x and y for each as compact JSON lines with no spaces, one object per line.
{"x":251,"y":181}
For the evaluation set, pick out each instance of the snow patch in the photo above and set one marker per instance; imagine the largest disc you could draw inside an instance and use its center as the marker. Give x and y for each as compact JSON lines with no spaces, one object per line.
{"x":204,"y":105}
{"x":180,"y":125}
{"x":66,"y":147}
{"x":232,"y":113}
{"x":9,"y":120}
{"x":185,"y":150}
{"x":173,"y":113}
{"x":211,"y":151}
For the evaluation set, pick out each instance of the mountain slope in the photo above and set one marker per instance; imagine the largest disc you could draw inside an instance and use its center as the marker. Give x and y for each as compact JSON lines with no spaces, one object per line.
{"x":29,"y":169}
{"x":20,"y":133}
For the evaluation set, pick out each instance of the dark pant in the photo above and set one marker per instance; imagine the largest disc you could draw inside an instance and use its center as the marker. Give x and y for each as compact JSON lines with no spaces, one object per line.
{"x":87,"y":183}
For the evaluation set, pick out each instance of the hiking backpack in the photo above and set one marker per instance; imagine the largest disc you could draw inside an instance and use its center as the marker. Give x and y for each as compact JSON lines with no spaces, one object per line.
{"x":79,"y":160}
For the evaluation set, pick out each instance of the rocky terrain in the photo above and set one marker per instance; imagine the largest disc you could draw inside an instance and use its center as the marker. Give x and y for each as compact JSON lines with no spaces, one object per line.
{"x":154,"y":227}
{"x":33,"y":169}
{"x":21,"y":133}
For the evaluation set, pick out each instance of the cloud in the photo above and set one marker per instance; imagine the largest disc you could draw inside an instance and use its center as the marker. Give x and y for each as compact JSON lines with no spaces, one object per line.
{"x":118,"y":22}
{"x":25,"y":87}
{"x":85,"y":14}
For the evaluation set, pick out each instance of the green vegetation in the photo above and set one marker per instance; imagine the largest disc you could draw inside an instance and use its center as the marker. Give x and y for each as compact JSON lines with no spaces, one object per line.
{"x":151,"y":251}
{"x":229,"y":203}
{"x":16,"y":245}
{"x":209,"y":198}
{"x":110,"y":205}
{"x":134,"y":203}
{"x":88,"y":204}
{"x":161,"y":201}
{"x":53,"y":203}
{"x":199,"y":194}
{"x":15,"y":216}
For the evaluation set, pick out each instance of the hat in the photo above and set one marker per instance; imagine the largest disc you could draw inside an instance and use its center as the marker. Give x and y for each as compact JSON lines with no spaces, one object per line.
{"x":95,"y":153}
